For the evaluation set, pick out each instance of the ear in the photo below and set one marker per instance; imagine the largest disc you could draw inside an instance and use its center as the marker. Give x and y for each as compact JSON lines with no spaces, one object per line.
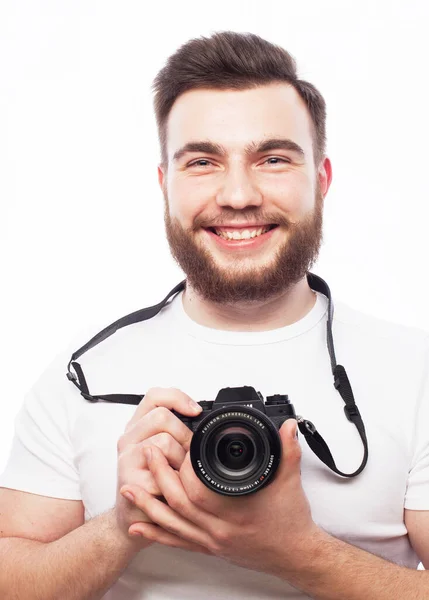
{"x":324,"y":174}
{"x":161,"y":176}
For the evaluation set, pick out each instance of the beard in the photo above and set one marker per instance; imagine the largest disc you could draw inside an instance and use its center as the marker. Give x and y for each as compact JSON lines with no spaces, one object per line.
{"x":236,"y":283}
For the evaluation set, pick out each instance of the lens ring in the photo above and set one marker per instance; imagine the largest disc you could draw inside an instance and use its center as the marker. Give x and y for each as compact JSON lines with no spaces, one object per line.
{"x":247,"y":416}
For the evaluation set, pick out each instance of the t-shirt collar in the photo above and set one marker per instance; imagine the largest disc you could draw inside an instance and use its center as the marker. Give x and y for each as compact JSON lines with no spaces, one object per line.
{"x":244,"y":338}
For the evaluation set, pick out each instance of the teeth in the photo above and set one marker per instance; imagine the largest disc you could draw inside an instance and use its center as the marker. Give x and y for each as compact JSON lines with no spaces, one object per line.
{"x":245,"y":234}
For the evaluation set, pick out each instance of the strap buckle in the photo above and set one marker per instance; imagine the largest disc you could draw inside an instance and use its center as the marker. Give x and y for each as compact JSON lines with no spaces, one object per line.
{"x":351,"y":412}
{"x":309,"y":426}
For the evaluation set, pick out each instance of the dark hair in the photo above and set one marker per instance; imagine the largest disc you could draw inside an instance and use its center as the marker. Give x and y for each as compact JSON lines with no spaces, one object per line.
{"x":230,"y":60}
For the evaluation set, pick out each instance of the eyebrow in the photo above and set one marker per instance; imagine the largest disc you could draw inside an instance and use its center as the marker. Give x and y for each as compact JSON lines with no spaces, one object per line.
{"x":252,"y":148}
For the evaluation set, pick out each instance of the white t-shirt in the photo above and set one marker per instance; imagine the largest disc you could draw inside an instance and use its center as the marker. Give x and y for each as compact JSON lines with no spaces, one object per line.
{"x":65,"y":446}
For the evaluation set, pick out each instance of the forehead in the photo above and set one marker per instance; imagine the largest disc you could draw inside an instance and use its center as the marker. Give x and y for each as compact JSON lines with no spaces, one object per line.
{"x":233,"y":118}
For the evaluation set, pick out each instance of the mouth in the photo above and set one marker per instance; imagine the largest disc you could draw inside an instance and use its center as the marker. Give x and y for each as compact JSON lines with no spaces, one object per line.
{"x":232,"y":233}
{"x":241,"y":238}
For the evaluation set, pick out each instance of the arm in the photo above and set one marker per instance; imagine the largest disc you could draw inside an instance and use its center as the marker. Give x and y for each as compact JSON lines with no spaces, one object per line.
{"x":47,"y":552}
{"x":81,"y":565}
{"x":292,"y":546}
{"x":333,"y":570}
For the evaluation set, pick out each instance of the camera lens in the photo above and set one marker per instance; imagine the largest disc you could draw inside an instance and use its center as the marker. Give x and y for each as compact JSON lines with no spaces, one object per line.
{"x":234,"y":451}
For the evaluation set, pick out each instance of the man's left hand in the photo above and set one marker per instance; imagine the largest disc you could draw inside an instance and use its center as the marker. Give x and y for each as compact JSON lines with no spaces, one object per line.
{"x":269,"y":530}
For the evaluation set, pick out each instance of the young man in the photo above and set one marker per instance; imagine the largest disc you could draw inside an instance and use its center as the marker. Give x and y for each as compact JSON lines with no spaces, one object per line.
{"x":244,"y":176}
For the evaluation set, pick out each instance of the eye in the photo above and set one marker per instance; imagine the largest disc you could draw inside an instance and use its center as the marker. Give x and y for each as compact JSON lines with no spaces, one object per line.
{"x":201,"y":162}
{"x":278,"y":159}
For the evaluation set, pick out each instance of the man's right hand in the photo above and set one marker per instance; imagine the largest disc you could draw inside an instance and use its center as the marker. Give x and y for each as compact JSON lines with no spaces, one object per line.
{"x":153,"y":424}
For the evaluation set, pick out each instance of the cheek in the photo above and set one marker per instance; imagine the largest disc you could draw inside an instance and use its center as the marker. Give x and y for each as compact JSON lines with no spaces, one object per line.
{"x":293,"y":196}
{"x":188,"y":198}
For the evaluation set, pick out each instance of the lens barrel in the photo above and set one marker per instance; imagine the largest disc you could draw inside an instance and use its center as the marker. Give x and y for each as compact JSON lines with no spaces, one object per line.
{"x":235,"y":451}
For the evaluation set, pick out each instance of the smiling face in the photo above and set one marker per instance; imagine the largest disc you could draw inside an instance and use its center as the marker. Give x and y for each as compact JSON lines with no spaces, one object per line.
{"x":242,"y":160}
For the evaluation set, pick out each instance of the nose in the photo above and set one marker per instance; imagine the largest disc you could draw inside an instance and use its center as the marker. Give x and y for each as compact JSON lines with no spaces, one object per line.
{"x":238,"y":189}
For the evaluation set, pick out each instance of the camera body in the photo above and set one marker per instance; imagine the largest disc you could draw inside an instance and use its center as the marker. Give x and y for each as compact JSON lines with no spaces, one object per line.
{"x":236,"y":448}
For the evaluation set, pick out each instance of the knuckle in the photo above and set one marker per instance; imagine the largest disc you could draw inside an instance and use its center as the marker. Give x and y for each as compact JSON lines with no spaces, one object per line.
{"x":122,"y":462}
{"x":152,"y":488}
{"x":153,"y":393}
{"x":165,"y":442}
{"x":178,"y":504}
{"x":120,"y":444}
{"x":160,"y":414}
{"x":195,"y":496}
{"x":187,"y":433}
{"x":221,"y":536}
{"x":127,"y":455}
{"x":143,"y":479}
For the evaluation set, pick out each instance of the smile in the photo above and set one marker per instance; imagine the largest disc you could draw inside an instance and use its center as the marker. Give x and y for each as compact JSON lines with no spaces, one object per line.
{"x":229,"y":233}
{"x":228,"y":237}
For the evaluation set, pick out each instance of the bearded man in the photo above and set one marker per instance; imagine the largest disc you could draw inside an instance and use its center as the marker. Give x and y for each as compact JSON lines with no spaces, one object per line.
{"x":103,"y":499}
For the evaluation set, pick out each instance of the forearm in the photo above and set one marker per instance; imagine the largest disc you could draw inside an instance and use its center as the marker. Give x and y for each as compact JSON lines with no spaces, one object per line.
{"x":82,"y":565}
{"x":334,"y":570}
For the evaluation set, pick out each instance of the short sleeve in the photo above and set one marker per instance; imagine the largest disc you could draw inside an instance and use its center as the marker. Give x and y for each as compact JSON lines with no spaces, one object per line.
{"x":417,"y":495}
{"x":41,"y":458}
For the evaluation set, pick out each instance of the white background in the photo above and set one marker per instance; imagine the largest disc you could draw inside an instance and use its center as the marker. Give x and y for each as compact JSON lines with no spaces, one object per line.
{"x":82,"y":236}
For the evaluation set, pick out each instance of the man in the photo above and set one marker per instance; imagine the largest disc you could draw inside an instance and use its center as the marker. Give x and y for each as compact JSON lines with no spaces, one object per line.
{"x":244,"y":176}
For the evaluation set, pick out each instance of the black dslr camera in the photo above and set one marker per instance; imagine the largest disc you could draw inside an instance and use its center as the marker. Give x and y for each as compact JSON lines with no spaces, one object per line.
{"x":236,"y":448}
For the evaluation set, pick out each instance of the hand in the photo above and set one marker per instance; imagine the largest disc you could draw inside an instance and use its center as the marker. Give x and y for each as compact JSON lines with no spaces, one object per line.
{"x":269,"y":530}
{"x":152,"y":425}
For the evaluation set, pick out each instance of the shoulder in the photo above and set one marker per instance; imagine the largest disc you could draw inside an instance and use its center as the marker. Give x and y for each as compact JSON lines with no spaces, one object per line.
{"x":377,"y":330}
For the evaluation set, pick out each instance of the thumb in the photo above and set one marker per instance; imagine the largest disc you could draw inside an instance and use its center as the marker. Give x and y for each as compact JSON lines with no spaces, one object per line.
{"x":291,"y":454}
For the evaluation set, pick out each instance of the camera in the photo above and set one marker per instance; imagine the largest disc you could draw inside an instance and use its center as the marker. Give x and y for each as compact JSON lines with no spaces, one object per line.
{"x":236,"y":447}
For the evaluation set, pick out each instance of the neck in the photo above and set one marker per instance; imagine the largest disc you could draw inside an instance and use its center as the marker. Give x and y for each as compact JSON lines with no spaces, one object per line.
{"x":283,"y":310}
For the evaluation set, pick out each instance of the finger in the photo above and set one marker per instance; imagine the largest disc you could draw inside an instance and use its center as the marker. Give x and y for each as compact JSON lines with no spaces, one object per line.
{"x":173,"y":491}
{"x":161,"y":514}
{"x":159,"y":420}
{"x":133,"y":513}
{"x":171,"y":398}
{"x":142,"y":478}
{"x":132,"y":465}
{"x":170,"y":448}
{"x":200,"y":495}
{"x":155,"y":533}
{"x":132,"y":456}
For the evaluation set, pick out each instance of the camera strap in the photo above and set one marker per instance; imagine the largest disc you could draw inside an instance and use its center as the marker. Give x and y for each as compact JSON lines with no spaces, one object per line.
{"x":307,"y":429}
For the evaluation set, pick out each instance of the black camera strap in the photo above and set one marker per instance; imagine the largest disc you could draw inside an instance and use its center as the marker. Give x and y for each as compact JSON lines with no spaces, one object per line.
{"x":308,"y":430}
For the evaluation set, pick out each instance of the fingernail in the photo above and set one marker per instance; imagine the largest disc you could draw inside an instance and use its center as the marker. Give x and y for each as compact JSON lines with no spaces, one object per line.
{"x":194,"y":406}
{"x":294,"y":433}
{"x":128,"y":496}
{"x":147,"y":452}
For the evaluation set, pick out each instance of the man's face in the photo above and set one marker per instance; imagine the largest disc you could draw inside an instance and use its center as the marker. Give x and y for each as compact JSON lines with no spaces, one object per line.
{"x":221,"y":180}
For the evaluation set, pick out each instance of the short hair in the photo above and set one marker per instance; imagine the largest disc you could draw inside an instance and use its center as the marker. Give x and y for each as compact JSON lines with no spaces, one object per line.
{"x":232,"y":61}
